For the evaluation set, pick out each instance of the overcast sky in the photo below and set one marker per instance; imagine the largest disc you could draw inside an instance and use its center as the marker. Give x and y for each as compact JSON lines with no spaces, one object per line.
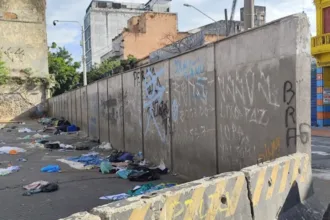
{"x":69,"y":35}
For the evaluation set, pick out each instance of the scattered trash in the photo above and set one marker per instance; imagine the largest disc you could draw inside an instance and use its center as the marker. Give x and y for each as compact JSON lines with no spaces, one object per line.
{"x":87,"y":160}
{"x":11,"y":150}
{"x":36,"y":185}
{"x":25,"y":130}
{"x":76,"y":165}
{"x":115,"y":197}
{"x":42,"y":141}
{"x":105,"y":167}
{"x":105,"y":146}
{"x":37,"y":136}
{"x":9,"y":170}
{"x":51,"y":169}
{"x":35,"y":145}
{"x":67,"y":147}
{"x":138,"y":190}
{"x":22,"y":160}
{"x":27,"y":137}
{"x":84,"y":145}
{"x":124,"y":173}
{"x":90,"y":154}
{"x":52,"y":145}
{"x":125,"y":156}
{"x":72,"y":128}
{"x":50,"y":187}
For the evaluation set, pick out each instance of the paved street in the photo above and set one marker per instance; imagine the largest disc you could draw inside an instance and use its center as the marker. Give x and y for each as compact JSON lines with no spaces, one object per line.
{"x":79,"y":190}
{"x":321,"y":168}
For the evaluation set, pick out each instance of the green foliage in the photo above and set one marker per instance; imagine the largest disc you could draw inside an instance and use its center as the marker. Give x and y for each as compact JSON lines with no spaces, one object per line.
{"x":110,"y":67}
{"x":64,"y":69}
{"x":4,"y":72}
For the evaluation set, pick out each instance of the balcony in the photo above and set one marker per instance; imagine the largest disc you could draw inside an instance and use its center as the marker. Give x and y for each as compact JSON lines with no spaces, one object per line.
{"x":321,"y":49}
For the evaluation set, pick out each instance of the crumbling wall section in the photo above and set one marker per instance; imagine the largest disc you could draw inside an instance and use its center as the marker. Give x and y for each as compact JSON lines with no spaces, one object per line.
{"x":23,"y":49}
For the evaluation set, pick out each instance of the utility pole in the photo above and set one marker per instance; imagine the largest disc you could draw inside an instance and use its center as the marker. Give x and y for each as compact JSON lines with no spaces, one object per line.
{"x":248,"y":14}
{"x":226,"y":19}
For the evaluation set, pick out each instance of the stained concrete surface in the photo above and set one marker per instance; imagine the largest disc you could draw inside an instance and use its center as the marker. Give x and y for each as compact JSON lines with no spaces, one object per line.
{"x":79,"y":190}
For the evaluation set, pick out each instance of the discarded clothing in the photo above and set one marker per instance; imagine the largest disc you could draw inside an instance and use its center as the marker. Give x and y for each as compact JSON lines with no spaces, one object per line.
{"x":105,"y":146}
{"x":115,"y":197}
{"x":68,"y":147}
{"x":138,"y":190}
{"x":27,"y":137}
{"x":76,"y":165}
{"x":125,"y":156}
{"x":51,"y":169}
{"x":9,"y":170}
{"x":72,"y":128}
{"x":105,"y":167}
{"x":143,"y":176}
{"x":93,"y":153}
{"x":36,"y":185}
{"x":21,"y":160}
{"x":52,"y":146}
{"x":50,"y":187}
{"x":25,"y":130}
{"x":124,"y":173}
{"x":8,"y":149}
{"x":87,"y":160}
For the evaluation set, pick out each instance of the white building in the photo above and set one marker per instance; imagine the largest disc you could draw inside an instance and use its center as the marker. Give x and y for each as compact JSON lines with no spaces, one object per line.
{"x":106,"y":19}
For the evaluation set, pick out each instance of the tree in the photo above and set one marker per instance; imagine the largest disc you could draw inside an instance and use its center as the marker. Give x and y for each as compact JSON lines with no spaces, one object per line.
{"x":64,"y":70}
{"x":110,"y":67}
{"x":4,"y":72}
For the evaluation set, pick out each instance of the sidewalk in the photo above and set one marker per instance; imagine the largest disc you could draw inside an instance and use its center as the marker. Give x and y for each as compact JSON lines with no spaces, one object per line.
{"x":321,"y":132}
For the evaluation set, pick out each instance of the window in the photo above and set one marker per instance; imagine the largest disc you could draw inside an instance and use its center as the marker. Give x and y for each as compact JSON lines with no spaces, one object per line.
{"x":326,"y":22}
{"x":101,"y":5}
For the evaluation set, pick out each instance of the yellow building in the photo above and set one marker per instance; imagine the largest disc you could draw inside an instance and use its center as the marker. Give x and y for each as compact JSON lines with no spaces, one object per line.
{"x":320,"y":48}
{"x":321,"y":42}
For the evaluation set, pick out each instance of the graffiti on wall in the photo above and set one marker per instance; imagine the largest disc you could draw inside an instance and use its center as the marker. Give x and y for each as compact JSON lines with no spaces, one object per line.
{"x":246,"y":99}
{"x":13,"y":54}
{"x":154,"y":104}
{"x":290,"y":118}
{"x":190,"y":97}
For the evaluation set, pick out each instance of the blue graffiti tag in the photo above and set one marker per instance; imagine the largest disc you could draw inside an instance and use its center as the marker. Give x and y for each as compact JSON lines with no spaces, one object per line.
{"x":154,"y":103}
{"x":175,"y":110}
{"x":189,"y":68}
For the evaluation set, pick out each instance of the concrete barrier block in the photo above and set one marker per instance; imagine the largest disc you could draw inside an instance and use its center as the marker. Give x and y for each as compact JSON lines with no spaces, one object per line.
{"x":277,"y":186}
{"x":223,"y":196}
{"x":82,"y":216}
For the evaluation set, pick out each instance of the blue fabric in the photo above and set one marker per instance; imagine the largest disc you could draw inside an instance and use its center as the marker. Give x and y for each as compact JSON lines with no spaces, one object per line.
{"x":72,"y":128}
{"x":125,"y":156}
{"x":320,"y":108}
{"x":51,"y":169}
{"x":87,"y":160}
{"x":319,"y":70}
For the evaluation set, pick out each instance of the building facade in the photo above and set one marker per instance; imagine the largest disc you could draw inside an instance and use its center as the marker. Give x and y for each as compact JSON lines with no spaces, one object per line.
{"x":320,"y":49}
{"x":24,"y":53}
{"x":104,"y":20}
{"x":259,"y":15}
{"x":155,"y":35}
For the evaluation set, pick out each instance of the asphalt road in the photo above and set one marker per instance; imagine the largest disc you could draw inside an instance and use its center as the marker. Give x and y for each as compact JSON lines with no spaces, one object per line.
{"x":79,"y":190}
{"x":321,"y":169}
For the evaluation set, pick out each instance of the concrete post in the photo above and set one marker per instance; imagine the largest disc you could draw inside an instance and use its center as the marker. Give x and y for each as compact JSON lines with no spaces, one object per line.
{"x":248,"y":14}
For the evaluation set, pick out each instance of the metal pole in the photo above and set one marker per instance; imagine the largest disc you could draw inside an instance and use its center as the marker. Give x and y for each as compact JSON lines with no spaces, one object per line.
{"x":248,"y":14}
{"x":84,"y":55}
{"x":226,"y":19}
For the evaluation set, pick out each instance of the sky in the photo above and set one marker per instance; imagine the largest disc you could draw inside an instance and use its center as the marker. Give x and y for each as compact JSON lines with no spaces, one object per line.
{"x":69,"y":35}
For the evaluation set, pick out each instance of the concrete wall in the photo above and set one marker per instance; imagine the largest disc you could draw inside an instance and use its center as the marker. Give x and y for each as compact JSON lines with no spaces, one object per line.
{"x":228,"y":105}
{"x":23,"y":45}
